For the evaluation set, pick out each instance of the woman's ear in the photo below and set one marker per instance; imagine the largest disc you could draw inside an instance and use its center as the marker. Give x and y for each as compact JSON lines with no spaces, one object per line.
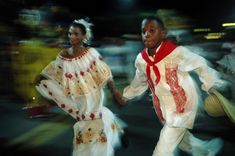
{"x":84,"y":39}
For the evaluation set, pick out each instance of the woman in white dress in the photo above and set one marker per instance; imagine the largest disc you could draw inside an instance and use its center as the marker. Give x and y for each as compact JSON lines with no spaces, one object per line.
{"x":75,"y":81}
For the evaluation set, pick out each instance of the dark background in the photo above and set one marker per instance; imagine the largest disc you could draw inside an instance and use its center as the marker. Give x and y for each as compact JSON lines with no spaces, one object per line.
{"x":22,"y":135}
{"x":110,"y":14}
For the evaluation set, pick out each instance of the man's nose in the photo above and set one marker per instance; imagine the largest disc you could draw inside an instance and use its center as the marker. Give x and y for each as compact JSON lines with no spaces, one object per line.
{"x":146,"y":34}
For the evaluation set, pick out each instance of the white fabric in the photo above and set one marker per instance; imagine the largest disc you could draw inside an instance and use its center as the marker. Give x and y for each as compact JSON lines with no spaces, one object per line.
{"x":76,"y":85}
{"x":171,"y":137}
{"x":168,"y":141}
{"x":176,"y":124}
{"x":198,"y":147}
{"x":186,"y":62}
{"x":228,"y":61}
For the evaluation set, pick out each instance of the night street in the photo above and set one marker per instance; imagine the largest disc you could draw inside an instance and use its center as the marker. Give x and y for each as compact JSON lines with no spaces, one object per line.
{"x":23,"y":136}
{"x":33,"y":33}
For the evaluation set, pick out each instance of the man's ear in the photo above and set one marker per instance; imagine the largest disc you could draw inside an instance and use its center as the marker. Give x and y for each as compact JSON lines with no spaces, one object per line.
{"x":164,"y":33}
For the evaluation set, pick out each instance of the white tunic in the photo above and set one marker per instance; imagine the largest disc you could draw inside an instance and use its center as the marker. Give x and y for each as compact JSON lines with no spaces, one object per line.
{"x":182,"y":61}
{"x":76,"y":85}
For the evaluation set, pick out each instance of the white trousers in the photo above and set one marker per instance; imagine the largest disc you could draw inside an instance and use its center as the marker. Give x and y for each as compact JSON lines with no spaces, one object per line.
{"x":172,"y":137}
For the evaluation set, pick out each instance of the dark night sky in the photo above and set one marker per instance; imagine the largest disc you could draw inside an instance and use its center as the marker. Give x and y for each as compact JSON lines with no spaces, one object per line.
{"x":207,"y":13}
{"x":204,"y":12}
{"x":202,"y":9}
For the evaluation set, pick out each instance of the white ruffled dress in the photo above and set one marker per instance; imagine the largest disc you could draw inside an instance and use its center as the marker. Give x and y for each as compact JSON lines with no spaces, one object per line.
{"x":76,"y":85}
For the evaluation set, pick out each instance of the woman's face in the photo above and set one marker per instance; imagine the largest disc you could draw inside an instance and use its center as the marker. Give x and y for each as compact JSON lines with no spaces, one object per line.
{"x":152,"y":34}
{"x":75,"y":35}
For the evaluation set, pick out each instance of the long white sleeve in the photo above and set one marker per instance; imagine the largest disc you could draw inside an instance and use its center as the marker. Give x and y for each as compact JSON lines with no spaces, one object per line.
{"x":207,"y":75}
{"x":139,"y":84}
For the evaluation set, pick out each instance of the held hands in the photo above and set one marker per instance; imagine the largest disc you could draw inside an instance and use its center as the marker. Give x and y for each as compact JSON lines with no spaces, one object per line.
{"x":119,"y":98}
{"x":122,"y":101}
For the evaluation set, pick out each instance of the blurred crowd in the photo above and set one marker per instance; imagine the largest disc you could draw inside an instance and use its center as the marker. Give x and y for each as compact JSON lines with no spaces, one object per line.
{"x":36,"y":35}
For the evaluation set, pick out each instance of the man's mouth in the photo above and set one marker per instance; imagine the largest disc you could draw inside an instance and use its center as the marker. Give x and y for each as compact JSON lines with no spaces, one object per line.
{"x":147,"y":41}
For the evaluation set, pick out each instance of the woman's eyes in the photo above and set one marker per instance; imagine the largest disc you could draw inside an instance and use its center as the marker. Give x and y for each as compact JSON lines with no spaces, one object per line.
{"x":152,"y":30}
{"x":75,"y":34}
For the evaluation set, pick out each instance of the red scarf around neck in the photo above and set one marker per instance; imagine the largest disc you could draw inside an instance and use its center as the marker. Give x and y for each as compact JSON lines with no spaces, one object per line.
{"x":166,"y":48}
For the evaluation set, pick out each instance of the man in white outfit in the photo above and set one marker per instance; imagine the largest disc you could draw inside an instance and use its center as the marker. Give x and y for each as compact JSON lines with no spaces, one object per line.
{"x":164,"y":68}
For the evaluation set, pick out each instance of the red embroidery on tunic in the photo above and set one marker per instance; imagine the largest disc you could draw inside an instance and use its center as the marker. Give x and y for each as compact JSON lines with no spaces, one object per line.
{"x":176,"y":90}
{"x":165,"y":49}
{"x":156,"y":102}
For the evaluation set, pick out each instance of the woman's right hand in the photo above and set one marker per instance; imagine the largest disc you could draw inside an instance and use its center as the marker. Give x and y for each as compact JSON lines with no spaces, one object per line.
{"x":38,"y":79}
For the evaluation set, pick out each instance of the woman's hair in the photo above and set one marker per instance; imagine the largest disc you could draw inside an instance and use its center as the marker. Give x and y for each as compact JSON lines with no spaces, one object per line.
{"x":85,"y":27}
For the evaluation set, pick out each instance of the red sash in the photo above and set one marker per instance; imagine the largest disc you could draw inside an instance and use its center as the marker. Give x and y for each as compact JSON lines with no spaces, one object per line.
{"x":166,"y":48}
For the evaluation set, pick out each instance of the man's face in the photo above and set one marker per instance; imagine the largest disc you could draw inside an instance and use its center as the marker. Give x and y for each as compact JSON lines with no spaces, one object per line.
{"x":152,"y":34}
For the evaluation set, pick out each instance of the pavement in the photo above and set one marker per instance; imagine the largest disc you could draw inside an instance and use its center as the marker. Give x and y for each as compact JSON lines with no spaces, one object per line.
{"x":24,"y":136}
